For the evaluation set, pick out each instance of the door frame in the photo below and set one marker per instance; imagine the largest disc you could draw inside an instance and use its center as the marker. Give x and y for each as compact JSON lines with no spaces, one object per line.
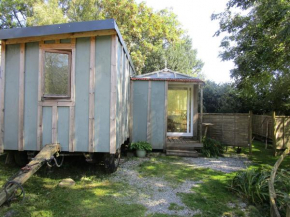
{"x":189,"y":132}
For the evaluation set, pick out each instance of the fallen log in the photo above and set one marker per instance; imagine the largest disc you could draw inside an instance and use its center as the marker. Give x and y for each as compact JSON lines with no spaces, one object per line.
{"x":26,"y":172}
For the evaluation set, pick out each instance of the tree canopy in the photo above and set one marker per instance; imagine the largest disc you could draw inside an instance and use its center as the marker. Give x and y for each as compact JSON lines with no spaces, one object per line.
{"x":258,"y":41}
{"x":151,"y":36}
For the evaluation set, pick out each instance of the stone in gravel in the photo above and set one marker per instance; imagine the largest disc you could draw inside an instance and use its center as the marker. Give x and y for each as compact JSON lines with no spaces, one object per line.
{"x":67,"y":183}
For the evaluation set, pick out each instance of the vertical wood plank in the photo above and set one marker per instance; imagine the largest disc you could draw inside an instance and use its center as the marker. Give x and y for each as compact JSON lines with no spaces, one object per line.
{"x":201,"y":113}
{"x":131,"y":111}
{"x":274,"y":133}
{"x":149,"y":113}
{"x":92,"y":95}
{"x":39,"y":112}
{"x":113,"y":95}
{"x":21,"y":99}
{"x":54,"y":124}
{"x":165,"y":114}
{"x":72,"y":129}
{"x":57,"y":41}
{"x":2,"y":88}
{"x":121,"y":102}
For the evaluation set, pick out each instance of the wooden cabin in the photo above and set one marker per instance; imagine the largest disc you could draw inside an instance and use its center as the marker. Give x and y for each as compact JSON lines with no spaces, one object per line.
{"x":68,"y":84}
{"x":165,"y":111}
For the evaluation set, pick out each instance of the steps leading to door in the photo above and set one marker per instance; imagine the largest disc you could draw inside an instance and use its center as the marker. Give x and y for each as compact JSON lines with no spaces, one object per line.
{"x":182,"y":153}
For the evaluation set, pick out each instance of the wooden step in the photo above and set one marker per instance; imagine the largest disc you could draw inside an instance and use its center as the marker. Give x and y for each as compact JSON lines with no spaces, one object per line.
{"x":183,"y":146}
{"x":182,"y":153}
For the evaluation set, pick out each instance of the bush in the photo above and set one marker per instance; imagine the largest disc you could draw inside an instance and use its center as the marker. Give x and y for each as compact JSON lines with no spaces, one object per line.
{"x":212,"y":148}
{"x":252,"y":185}
{"x":141,"y":146}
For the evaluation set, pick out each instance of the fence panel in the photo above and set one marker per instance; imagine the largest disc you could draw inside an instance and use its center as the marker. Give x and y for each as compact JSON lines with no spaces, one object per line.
{"x":229,"y":128}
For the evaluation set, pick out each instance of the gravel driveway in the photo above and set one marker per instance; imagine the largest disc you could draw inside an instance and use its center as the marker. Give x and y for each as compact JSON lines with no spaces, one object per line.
{"x":156,"y":194}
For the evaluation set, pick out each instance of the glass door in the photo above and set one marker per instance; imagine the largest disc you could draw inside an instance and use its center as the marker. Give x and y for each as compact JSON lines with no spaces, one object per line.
{"x":179,"y":110}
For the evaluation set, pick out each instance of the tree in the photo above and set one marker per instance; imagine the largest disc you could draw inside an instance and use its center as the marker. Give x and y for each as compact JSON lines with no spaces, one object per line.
{"x":258,"y":41}
{"x":147,"y":33}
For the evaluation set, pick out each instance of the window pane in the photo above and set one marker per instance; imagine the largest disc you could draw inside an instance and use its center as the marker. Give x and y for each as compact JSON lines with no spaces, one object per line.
{"x":56,"y":81}
{"x":177,"y":110}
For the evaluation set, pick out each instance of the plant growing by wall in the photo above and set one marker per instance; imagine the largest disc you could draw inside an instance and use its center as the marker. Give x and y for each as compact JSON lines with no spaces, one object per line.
{"x":141,"y":146}
{"x":212,"y":148}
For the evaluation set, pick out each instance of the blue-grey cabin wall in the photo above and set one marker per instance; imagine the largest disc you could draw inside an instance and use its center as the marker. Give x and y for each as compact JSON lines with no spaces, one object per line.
{"x":82,"y":94}
{"x":11,"y":97}
{"x":82,"y":75}
{"x":30,"y":95}
{"x":102,"y":93}
{"x":157,"y":116}
{"x":140,"y":111}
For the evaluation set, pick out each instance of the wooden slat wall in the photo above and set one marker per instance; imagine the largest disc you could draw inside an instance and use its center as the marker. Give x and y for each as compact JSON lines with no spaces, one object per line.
{"x":262,"y":124}
{"x":230,"y":129}
{"x":282,"y":132}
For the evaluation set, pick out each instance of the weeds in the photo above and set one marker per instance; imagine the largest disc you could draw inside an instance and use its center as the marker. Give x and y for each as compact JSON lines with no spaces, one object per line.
{"x":212,"y":148}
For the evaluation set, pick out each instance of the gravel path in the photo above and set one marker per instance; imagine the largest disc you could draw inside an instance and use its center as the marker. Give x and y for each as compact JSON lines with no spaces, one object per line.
{"x":156,"y":194}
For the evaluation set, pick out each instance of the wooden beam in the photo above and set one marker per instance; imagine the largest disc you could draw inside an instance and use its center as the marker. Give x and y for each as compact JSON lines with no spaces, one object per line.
{"x":39,"y":110}
{"x":72,"y":129}
{"x":113,"y":95}
{"x":165,"y":114}
{"x":201,"y":113}
{"x":23,"y":175}
{"x":92,"y":95}
{"x":149,"y":113}
{"x":21,"y":99}
{"x":57,"y":46}
{"x":61,"y":36}
{"x":54,"y":125}
{"x":2,"y":95}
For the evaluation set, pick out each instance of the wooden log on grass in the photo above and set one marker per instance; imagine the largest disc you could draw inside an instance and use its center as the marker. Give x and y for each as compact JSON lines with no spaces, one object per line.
{"x":25,"y":173}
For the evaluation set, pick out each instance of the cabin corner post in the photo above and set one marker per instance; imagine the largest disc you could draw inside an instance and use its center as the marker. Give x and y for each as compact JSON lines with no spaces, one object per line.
{"x":165,"y":114}
{"x":201,"y":112}
{"x":92,"y":94}
{"x":149,"y":132}
{"x":39,"y":110}
{"x":21,"y":99}
{"x":2,"y":95}
{"x":113,"y":94}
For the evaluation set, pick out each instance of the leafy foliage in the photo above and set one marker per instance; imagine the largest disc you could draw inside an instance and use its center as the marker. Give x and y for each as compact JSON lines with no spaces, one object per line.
{"x":212,"y":148}
{"x":141,"y":146}
{"x":258,"y":41}
{"x":252,"y":184}
{"x":151,"y":36}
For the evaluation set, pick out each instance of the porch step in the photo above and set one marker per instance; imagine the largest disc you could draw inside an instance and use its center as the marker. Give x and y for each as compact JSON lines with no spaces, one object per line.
{"x":183,"y":146}
{"x":182,"y":153}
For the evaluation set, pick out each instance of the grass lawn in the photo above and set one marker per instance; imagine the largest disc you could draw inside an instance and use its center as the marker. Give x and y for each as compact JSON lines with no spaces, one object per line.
{"x":95,"y":195}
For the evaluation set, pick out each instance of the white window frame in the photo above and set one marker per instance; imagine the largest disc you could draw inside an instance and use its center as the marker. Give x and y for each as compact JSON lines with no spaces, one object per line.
{"x":189,"y":132}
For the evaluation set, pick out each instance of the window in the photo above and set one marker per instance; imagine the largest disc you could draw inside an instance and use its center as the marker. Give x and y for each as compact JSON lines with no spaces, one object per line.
{"x":57,"y":74}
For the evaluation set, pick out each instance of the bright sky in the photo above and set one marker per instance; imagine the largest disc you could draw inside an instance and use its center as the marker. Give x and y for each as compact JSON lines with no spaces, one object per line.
{"x":195,"y":15}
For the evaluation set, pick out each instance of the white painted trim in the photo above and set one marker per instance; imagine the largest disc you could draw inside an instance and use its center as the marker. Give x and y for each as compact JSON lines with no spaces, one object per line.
{"x":189,"y":132}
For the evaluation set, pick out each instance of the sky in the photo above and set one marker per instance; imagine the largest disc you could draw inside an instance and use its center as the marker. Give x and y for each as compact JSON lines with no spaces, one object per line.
{"x":195,"y":17}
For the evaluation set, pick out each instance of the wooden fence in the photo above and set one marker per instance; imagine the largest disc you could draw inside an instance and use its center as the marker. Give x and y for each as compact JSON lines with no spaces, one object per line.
{"x":276,"y":128}
{"x":233,"y":129}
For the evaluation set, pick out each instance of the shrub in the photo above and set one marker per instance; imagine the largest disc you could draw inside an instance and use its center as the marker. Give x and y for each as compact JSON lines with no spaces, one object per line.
{"x":212,"y":148}
{"x":141,"y":146}
{"x":252,"y":185}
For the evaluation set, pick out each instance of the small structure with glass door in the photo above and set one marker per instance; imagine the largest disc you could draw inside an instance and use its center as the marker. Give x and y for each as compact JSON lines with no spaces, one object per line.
{"x":165,"y":111}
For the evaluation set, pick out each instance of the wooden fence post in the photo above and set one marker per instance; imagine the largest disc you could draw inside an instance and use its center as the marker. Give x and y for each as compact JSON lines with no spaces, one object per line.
{"x":274,"y":132}
{"x":250,"y":131}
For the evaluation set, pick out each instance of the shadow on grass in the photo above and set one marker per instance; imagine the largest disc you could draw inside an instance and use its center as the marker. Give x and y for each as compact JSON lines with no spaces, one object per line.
{"x":93,"y":194}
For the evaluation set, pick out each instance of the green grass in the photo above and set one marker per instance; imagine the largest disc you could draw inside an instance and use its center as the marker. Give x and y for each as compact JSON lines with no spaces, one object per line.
{"x":93,"y":194}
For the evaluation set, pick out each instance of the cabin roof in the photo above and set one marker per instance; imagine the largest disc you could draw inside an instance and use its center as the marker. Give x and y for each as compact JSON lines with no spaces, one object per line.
{"x":166,"y":75}
{"x":56,"y":29}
